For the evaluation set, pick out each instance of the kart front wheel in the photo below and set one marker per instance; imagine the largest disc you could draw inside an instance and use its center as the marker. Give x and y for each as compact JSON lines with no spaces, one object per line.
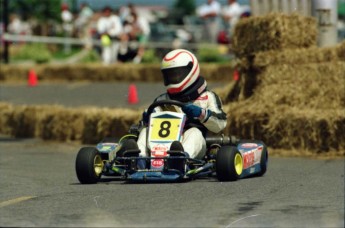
{"x":229,"y":163}
{"x":89,"y":165}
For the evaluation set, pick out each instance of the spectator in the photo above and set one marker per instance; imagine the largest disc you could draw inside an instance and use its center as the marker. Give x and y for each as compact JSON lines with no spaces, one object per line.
{"x":83,"y":19}
{"x":209,"y":12}
{"x":110,"y":30}
{"x":231,"y":14}
{"x":67,"y":19}
{"x":19,"y":27}
{"x":126,"y":12}
{"x":137,"y":31}
{"x":67,"y":25}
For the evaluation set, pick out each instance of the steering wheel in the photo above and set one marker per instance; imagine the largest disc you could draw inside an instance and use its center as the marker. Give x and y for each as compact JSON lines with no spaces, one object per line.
{"x":164,"y":102}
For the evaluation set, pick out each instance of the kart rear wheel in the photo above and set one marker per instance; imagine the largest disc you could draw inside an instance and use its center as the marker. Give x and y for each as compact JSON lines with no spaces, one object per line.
{"x":229,"y":163}
{"x":89,"y":165}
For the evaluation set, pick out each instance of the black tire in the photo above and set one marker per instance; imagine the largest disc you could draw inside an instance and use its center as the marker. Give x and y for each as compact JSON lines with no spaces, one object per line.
{"x":89,"y":165}
{"x":229,"y":163}
{"x":263,"y":161}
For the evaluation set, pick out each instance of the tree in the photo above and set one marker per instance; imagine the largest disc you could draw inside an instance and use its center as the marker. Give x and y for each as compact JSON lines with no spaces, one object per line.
{"x":41,"y":10}
{"x":181,"y":8}
{"x":186,"y":6}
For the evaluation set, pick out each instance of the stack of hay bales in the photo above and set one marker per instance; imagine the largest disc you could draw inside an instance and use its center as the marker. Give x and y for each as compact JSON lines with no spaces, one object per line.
{"x":274,"y":31}
{"x":291,"y":92}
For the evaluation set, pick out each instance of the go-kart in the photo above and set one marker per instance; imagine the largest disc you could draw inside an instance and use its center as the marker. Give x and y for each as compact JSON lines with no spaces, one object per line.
{"x":227,"y":158}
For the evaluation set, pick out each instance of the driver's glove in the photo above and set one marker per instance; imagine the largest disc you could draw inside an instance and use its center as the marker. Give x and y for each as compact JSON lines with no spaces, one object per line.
{"x":196,"y":112}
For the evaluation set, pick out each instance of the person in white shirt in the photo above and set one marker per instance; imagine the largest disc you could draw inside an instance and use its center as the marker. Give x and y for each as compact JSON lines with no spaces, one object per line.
{"x":231,"y":13}
{"x":110,"y":30}
{"x":83,"y":19}
{"x":137,"y":30}
{"x":67,"y":25}
{"x":210,"y":12}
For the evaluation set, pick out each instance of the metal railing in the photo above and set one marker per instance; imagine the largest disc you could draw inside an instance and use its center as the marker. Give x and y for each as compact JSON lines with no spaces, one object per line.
{"x":93,"y":42}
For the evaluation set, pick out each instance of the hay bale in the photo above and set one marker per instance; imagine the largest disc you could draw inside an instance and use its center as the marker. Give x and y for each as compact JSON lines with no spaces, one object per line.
{"x":291,"y":128}
{"x":319,"y":76}
{"x":58,"y":123}
{"x":299,"y":107}
{"x":23,"y":121}
{"x":274,"y":31}
{"x":97,"y":72}
{"x":87,"y":125}
{"x":214,"y":72}
{"x":108,"y":122}
{"x":315,"y":86}
{"x":297,"y":56}
{"x":281,"y":126}
{"x":17,"y":73}
{"x":341,"y":50}
{"x":5,"y":112}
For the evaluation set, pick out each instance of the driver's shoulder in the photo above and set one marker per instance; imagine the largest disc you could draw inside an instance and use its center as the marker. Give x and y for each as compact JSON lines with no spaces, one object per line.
{"x":207,"y":95}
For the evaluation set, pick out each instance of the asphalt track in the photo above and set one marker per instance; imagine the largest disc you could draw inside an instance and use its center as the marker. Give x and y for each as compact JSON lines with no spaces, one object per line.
{"x":39,"y":186}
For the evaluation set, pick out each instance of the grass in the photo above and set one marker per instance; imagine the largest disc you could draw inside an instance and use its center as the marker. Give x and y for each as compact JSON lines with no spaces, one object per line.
{"x":60,"y":53}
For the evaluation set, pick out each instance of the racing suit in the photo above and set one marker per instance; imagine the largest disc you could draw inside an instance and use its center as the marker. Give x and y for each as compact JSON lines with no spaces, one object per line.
{"x":193,"y":138}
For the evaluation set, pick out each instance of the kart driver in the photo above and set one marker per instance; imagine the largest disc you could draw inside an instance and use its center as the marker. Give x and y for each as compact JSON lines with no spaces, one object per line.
{"x":203,"y":108}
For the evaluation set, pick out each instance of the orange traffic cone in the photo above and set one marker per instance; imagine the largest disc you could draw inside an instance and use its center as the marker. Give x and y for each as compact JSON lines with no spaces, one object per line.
{"x":132,"y":94}
{"x":32,"y":78}
{"x":236,"y":75}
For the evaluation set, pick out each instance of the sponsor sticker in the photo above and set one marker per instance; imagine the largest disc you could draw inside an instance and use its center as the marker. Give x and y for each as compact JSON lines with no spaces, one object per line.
{"x":249,"y":145}
{"x":157,"y":163}
{"x":248,"y":159}
{"x":158,"y":150}
{"x":252,"y":157}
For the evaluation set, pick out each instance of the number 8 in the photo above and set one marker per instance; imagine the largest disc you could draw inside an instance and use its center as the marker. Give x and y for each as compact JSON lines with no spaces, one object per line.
{"x":164,"y":131}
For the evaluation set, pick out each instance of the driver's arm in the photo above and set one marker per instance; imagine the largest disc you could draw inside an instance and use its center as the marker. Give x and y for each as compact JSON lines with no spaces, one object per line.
{"x":216,"y":120}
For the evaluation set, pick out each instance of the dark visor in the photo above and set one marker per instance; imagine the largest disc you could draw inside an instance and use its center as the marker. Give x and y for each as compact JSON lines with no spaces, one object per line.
{"x":177,"y":74}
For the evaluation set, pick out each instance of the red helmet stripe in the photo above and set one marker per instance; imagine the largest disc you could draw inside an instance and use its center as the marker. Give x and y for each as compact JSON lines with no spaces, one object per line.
{"x":177,"y":54}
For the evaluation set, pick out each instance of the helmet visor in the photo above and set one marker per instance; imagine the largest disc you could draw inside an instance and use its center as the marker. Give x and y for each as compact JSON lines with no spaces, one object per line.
{"x":177,"y":74}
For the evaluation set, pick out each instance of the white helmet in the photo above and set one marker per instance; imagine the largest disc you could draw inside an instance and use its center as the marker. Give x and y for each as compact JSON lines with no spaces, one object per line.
{"x":180,"y":69}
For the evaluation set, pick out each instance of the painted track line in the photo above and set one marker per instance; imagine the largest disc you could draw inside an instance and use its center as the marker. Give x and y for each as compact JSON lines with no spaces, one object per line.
{"x":250,"y":216}
{"x":16,"y":200}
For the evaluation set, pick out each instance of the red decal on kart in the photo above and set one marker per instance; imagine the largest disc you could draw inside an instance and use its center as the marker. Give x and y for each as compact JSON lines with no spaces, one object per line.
{"x":248,"y":159}
{"x":159,"y":150}
{"x":157,"y":163}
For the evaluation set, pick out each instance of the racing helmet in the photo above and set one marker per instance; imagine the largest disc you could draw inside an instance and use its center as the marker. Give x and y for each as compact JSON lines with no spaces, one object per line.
{"x":180,"y":69}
